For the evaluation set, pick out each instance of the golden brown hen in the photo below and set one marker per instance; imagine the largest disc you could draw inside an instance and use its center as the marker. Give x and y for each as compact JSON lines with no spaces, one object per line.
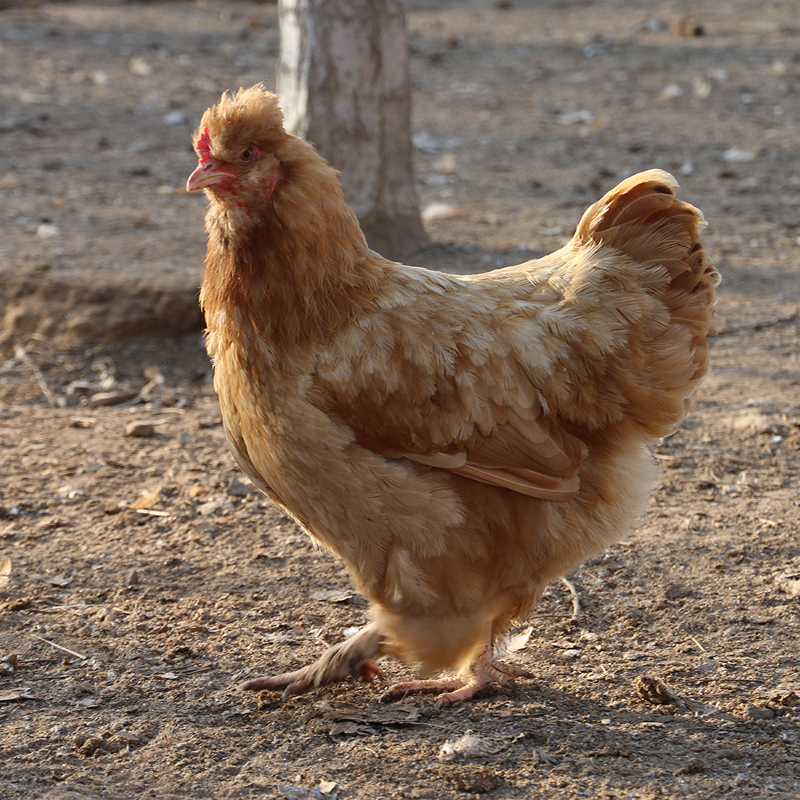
{"x":459,"y":441}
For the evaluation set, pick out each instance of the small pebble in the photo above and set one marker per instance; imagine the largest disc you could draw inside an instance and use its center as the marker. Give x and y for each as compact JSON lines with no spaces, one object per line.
{"x":142,"y":430}
{"x":46,"y":230}
{"x":139,"y":65}
{"x":131,"y":578}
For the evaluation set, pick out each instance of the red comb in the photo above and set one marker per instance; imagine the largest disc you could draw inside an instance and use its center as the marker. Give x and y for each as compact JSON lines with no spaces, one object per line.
{"x":203,"y":145}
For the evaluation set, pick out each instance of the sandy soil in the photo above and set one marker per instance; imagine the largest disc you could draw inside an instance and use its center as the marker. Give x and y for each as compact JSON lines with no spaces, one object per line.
{"x":145,"y":579}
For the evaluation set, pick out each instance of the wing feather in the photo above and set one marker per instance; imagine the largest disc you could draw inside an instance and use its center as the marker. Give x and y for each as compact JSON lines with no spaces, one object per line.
{"x":461,"y":397}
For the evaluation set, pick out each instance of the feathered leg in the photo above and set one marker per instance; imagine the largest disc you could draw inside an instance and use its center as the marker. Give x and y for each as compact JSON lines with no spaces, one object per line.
{"x":353,"y":658}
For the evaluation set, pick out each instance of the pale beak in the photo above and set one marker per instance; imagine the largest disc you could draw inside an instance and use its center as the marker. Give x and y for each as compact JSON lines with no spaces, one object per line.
{"x":205,"y":176}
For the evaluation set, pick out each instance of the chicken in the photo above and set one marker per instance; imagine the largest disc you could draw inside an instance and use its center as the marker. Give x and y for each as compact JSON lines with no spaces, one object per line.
{"x":458,"y":441}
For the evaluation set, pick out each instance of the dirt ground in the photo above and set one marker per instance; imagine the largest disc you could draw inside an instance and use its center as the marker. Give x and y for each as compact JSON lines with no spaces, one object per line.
{"x":141,"y":579}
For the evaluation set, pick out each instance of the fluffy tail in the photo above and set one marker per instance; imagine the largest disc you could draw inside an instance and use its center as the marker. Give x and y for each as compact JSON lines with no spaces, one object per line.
{"x":666,"y":355}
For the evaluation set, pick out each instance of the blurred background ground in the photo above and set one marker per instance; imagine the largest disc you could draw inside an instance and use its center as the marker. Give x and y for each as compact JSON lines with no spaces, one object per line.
{"x":147,"y":580}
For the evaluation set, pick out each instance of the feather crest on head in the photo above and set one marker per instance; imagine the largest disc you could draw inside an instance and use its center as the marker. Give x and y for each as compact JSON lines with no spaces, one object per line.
{"x":250,"y":116}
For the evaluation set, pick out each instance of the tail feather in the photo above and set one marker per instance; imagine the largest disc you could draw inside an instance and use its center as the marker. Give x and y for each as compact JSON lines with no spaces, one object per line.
{"x":643,"y":219}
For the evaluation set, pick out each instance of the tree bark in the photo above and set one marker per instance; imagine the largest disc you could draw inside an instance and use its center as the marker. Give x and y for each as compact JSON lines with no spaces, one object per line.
{"x":344,"y":85}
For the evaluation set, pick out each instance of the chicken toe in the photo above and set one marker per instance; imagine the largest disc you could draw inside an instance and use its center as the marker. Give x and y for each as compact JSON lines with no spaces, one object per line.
{"x":484,"y":671}
{"x":401,"y":690}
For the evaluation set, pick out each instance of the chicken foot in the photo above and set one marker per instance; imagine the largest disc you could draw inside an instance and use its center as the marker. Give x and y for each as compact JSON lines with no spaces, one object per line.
{"x":484,"y":671}
{"x":353,"y":658}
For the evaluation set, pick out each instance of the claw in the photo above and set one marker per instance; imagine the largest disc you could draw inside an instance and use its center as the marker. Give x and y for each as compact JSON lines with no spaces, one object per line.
{"x":369,"y":671}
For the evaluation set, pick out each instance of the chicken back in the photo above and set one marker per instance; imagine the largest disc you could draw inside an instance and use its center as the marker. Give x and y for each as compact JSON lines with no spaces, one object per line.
{"x":458,"y":441}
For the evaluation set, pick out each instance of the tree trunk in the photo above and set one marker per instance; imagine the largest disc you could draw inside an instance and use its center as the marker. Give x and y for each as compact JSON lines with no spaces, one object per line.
{"x":344,"y":85}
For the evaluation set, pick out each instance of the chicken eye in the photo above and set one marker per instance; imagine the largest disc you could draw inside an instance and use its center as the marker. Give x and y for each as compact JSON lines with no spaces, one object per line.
{"x":247,"y":155}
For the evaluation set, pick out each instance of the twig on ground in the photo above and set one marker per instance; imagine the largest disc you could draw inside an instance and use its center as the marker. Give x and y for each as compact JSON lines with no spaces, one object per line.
{"x":59,"y":647}
{"x":576,"y":601}
{"x":702,"y":649}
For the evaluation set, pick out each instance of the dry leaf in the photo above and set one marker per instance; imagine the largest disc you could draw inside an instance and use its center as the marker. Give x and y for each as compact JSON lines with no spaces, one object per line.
{"x":148,"y":499}
{"x":57,"y":580}
{"x":348,"y":728}
{"x":128,"y":737}
{"x":5,"y":571}
{"x":396,"y":714}
{"x":10,"y":695}
{"x":332,"y":596}
{"x":790,"y":583}
{"x":10,"y":181}
{"x":465,"y":747}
